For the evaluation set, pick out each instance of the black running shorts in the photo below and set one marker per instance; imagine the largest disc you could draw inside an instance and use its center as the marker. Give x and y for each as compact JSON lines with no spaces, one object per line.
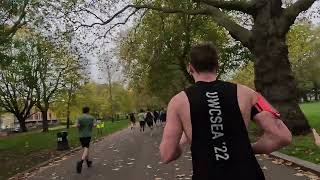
{"x":85,"y":141}
{"x":142,"y":123}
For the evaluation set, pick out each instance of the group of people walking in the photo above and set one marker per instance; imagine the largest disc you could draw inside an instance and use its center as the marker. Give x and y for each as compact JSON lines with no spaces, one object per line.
{"x":148,"y":117}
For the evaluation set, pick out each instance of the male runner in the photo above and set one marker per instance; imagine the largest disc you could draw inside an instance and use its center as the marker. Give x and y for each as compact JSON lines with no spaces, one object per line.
{"x":213,"y":117}
{"x":85,"y":124}
{"x":141,"y":117}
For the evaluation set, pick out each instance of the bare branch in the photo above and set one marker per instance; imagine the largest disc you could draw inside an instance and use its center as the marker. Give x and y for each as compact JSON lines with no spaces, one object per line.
{"x":19,"y":22}
{"x":290,"y":14}
{"x":90,"y":12}
{"x":121,"y":23}
{"x":236,"y":31}
{"x":243,"y":6}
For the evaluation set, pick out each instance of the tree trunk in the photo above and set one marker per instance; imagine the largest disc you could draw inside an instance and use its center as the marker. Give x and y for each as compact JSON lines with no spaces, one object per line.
{"x":273,"y":73}
{"x":23,"y":126}
{"x":22,"y":123}
{"x":45,"y":125}
{"x":68,"y":118}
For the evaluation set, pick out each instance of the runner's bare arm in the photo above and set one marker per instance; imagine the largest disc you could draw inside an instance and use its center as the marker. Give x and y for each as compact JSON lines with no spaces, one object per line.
{"x":170,"y":149}
{"x":275,"y":134}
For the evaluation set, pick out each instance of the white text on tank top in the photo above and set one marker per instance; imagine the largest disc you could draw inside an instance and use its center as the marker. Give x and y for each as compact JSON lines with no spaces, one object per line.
{"x":217,"y":132}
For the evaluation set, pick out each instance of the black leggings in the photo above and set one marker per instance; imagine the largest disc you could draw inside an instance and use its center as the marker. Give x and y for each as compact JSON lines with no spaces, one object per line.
{"x":142,"y":125}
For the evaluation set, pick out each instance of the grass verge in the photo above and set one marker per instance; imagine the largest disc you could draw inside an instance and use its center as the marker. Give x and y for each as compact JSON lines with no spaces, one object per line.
{"x":22,"y":151}
{"x":302,"y":147}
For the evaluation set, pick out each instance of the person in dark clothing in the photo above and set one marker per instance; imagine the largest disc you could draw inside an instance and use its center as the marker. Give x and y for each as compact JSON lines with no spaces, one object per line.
{"x":141,"y":118}
{"x":132,"y":120}
{"x":213,"y":117}
{"x":156,"y":117}
{"x":149,"y":119}
{"x":163,"y":116}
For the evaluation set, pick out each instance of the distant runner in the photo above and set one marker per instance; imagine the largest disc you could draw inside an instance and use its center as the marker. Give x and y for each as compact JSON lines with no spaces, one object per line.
{"x":156,"y":117}
{"x":213,"y":117}
{"x":163,"y":116}
{"x":132,"y":120}
{"x":141,"y":118}
{"x":85,"y":124}
{"x":149,"y":119}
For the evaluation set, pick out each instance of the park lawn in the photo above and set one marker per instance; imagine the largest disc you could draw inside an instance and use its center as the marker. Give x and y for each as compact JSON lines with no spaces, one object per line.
{"x":20,"y":152}
{"x":303,"y":147}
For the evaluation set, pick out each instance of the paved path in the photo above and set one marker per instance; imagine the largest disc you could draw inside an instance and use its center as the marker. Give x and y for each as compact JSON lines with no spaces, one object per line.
{"x":134,"y":156}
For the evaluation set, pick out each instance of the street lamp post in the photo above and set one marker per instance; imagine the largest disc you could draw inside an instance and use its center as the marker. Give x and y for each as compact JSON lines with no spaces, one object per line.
{"x":110,"y":91}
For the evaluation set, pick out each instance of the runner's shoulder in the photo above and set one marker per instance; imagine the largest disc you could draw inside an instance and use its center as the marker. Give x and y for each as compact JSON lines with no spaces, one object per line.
{"x":179,"y":99}
{"x":245,"y":91}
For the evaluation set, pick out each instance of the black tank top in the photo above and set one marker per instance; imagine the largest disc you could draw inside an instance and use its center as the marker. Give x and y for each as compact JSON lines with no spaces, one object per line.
{"x":221,"y":148}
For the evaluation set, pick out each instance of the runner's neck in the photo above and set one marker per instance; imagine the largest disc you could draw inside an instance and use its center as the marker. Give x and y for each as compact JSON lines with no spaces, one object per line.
{"x":205,"y":77}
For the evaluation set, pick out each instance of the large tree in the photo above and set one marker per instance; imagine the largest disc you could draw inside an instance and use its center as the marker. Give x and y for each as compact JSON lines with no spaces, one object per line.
{"x":265,"y":37}
{"x":157,"y":49}
{"x":16,"y":88}
{"x":17,"y":94}
{"x":54,"y":66}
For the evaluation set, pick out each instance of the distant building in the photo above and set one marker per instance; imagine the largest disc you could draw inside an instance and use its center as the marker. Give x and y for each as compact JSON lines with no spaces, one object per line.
{"x":9,"y":121}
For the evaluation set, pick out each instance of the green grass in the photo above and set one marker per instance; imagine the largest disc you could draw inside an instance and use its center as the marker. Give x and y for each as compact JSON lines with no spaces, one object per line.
{"x":22,"y":151}
{"x":304,"y":147}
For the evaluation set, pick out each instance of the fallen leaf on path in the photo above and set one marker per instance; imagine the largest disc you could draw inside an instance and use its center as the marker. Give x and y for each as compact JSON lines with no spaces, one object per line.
{"x":181,"y":175}
{"x":278,"y":161}
{"x":130,"y":163}
{"x":298,"y":174}
{"x":177,"y":169}
{"x":264,"y":168}
{"x":149,"y":167}
{"x":288,"y":163}
{"x":115,"y":169}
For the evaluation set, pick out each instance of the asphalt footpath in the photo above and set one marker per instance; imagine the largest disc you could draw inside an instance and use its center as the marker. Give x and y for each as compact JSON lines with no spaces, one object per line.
{"x":132,"y":155}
